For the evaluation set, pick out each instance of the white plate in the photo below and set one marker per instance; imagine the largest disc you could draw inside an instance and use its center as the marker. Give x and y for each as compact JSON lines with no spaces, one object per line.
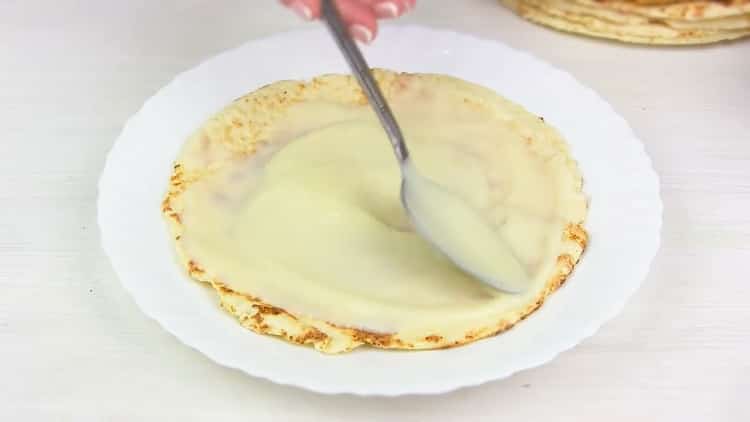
{"x":624,"y":219}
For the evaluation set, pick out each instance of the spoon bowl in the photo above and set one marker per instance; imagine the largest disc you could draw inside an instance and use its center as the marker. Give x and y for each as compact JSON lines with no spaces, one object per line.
{"x":442,"y":218}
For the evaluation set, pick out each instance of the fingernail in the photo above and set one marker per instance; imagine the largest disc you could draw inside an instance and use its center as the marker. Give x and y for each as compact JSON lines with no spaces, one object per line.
{"x":386,"y":10}
{"x":302,"y":10}
{"x":361,"y":33}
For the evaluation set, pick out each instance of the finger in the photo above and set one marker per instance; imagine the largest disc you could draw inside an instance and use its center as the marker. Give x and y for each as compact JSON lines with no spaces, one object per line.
{"x":387,"y":9}
{"x":360,"y":19}
{"x":305,"y":9}
{"x":310,"y":9}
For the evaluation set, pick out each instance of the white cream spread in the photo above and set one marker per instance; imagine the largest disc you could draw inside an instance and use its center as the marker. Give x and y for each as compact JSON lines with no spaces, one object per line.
{"x":313,"y":223}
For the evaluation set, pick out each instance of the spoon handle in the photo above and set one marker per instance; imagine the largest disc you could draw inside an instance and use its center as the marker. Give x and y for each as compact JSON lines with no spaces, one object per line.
{"x":362,"y":72}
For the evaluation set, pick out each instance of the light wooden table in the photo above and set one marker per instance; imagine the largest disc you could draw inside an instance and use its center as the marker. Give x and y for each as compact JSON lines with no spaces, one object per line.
{"x":74,"y":346}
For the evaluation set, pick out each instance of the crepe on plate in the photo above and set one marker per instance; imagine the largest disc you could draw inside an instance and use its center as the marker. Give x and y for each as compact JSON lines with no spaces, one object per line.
{"x":287,"y":204}
{"x":642,"y":21}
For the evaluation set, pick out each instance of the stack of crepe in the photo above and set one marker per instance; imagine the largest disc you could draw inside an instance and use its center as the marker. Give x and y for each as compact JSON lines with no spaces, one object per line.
{"x":642,"y":21}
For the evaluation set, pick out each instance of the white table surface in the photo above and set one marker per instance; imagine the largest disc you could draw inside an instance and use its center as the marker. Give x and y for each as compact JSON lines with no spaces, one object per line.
{"x":74,"y":346}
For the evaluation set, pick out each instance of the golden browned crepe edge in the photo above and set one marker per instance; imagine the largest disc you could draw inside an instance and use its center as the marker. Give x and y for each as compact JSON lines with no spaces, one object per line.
{"x":684,"y":9}
{"x":581,"y":24}
{"x":265,"y":318}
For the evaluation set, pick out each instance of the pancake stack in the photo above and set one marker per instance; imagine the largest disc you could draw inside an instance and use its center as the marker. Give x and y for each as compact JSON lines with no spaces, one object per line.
{"x":666,"y":22}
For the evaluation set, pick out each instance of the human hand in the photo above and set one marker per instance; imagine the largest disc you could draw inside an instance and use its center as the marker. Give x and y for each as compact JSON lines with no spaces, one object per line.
{"x":361,"y":16}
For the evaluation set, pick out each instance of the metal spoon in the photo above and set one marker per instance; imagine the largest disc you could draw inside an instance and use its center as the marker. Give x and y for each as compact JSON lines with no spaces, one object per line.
{"x":440,"y":217}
